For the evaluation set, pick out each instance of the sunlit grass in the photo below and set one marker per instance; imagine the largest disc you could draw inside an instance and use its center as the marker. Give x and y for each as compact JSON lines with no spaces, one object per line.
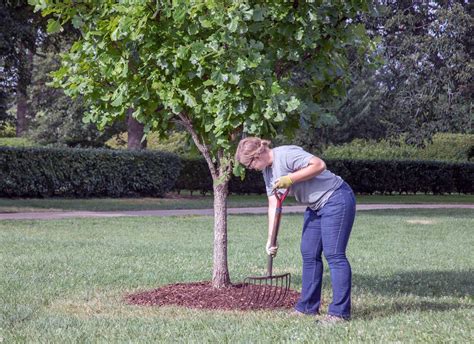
{"x":64,"y":281}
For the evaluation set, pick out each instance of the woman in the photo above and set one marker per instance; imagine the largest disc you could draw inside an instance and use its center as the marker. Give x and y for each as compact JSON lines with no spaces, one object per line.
{"x":327,"y":220}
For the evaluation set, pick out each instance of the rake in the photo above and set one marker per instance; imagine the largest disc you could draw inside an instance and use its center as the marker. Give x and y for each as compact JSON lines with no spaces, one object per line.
{"x":270,"y":290}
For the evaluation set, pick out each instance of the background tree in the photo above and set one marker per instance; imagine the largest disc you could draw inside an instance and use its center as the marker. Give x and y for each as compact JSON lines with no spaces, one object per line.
{"x":422,"y":85}
{"x":20,"y":30}
{"x":220,"y":69}
{"x":428,"y":76}
{"x":56,"y":117}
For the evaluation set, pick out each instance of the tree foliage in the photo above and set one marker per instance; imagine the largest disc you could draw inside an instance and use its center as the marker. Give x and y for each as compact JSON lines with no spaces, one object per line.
{"x":224,"y":65}
{"x":422,"y":86}
{"x":56,"y":118}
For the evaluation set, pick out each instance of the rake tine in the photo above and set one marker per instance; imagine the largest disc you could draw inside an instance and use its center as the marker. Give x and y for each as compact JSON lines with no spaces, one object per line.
{"x":279,"y":290}
{"x":251,"y":292}
{"x":270,"y":294}
{"x":274,"y":291}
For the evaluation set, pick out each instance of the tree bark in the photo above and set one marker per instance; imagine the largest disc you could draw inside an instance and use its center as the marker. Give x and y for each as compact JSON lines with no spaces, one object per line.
{"x":135,"y":133}
{"x":220,"y":274}
{"x":24,"y":79}
{"x":21,"y":110}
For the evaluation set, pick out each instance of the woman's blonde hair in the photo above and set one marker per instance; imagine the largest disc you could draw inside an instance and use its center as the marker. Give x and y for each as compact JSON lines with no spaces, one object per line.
{"x":250,"y":148}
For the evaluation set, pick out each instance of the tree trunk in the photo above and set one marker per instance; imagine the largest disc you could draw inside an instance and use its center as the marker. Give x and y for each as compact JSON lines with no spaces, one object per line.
{"x":135,"y":133}
{"x":220,"y":176}
{"x":21,"y":110}
{"x":24,"y":79}
{"x":220,"y":275}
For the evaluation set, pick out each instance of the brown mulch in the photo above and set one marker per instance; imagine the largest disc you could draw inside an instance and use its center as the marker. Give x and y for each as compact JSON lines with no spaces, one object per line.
{"x":202,"y":295}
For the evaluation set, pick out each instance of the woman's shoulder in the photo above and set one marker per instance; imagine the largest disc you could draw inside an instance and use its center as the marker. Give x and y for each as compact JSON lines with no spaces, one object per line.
{"x":288,"y":147}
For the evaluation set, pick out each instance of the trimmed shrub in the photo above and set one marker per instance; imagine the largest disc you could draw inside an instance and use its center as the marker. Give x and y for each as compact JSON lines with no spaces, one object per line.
{"x":444,"y":147}
{"x":364,"y":176}
{"x":47,"y":172}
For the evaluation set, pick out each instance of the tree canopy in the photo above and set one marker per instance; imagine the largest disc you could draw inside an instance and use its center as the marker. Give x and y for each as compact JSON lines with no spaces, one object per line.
{"x":226,"y":66}
{"x":422,"y":86}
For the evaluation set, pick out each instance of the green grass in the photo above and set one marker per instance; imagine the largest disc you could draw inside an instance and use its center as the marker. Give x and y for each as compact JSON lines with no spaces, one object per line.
{"x":195,"y":202}
{"x":63,"y":281}
{"x":16,"y":142}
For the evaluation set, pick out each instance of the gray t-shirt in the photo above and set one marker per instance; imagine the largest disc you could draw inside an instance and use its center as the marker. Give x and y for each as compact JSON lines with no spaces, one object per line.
{"x":315,"y":191}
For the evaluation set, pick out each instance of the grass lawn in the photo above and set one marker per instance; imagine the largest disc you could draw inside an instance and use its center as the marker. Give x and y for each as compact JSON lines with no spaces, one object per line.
{"x":186,"y":201}
{"x":64,"y":280}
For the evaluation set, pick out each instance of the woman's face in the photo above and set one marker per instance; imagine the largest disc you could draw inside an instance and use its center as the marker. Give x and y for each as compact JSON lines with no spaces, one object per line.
{"x":259,"y":163}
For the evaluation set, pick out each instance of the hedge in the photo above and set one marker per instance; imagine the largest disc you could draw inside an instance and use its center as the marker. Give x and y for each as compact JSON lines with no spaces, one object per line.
{"x":364,"y":176}
{"x":47,"y":172}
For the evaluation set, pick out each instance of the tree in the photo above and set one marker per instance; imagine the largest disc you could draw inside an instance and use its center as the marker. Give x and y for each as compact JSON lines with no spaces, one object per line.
{"x":18,"y":40}
{"x":422,"y":84}
{"x":56,"y":118}
{"x":428,"y":76}
{"x":219,"y":68}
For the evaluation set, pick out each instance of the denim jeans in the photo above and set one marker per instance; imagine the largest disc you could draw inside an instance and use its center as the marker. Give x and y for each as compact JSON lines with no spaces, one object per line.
{"x":327,"y":231}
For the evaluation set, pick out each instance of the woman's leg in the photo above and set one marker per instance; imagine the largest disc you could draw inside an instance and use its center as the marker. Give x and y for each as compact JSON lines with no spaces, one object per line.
{"x":311,"y":248}
{"x":337,"y":218}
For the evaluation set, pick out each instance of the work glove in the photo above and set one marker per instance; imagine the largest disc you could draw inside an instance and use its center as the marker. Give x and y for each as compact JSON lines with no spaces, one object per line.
{"x":271,"y":250}
{"x":282,"y":183}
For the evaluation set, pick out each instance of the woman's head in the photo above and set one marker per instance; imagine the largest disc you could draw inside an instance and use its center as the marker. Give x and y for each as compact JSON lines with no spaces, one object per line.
{"x":254,"y":153}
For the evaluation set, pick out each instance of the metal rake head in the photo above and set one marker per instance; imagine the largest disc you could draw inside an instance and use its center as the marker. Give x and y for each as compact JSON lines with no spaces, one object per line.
{"x":266,"y":291}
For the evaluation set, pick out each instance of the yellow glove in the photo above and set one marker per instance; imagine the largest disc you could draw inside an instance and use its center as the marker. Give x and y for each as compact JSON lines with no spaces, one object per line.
{"x":283,"y":183}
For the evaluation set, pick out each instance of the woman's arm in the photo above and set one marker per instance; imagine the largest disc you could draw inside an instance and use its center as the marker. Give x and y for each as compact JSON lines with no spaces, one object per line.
{"x":315,"y":167}
{"x":272,"y":203}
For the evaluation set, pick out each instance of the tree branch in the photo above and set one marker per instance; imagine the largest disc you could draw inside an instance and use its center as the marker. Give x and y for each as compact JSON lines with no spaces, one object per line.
{"x":281,"y":69}
{"x":200,"y":144}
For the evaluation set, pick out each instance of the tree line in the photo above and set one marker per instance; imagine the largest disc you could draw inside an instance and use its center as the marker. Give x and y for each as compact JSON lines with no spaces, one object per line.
{"x":419,"y":81}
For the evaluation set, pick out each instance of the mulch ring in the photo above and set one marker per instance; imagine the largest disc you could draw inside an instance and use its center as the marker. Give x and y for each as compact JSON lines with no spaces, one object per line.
{"x":201,"y":295}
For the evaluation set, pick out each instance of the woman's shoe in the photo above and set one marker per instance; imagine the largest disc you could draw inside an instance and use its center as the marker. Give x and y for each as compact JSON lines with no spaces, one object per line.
{"x":329,"y":319}
{"x":296,"y":313}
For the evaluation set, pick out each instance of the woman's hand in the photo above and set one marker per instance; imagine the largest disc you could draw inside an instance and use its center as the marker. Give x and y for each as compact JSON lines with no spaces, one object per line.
{"x":283,"y":183}
{"x":271,"y":250}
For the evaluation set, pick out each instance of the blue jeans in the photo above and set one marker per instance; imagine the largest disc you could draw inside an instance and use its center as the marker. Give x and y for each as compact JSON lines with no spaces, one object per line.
{"x":327,"y":230}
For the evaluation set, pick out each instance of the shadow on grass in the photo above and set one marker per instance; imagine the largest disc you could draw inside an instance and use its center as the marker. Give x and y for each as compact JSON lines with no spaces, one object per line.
{"x":392,"y":288}
{"x":399,"y":307}
{"x":431,"y":284}
{"x":419,"y":283}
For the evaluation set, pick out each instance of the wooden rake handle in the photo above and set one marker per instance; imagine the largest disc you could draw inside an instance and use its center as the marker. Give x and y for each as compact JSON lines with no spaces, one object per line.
{"x":276,"y":226}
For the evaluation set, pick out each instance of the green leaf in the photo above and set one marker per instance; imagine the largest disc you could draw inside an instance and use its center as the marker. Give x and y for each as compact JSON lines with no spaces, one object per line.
{"x":234,"y":79}
{"x":193,"y":29}
{"x":238,"y":170}
{"x":205,"y":23}
{"x":292,"y":104}
{"x":54,"y":26}
{"x":189,"y":100}
{"x":241,"y":65}
{"x":118,"y":99}
{"x":77,"y":22}
{"x":280,"y":116}
{"x":234,"y":24}
{"x":257,"y":14}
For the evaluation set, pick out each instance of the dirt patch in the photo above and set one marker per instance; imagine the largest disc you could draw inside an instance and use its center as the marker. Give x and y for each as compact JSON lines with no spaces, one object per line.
{"x":201,"y":295}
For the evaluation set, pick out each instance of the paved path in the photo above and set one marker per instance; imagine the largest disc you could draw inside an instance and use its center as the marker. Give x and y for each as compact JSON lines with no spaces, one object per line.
{"x":206,"y":212}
